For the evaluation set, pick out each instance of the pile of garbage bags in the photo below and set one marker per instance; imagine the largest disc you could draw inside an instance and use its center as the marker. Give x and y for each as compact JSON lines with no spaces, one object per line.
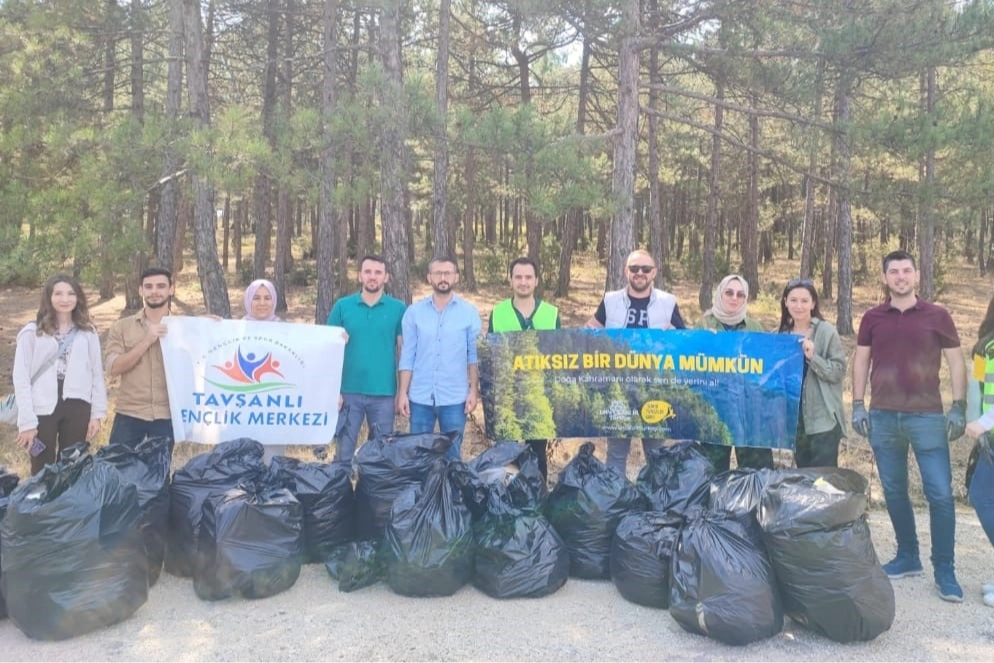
{"x":8,"y":482}
{"x":731,"y":555}
{"x":586,"y":506}
{"x":206,"y":476}
{"x":728,"y":556}
{"x":146,"y":466}
{"x":251,"y":543}
{"x":84,"y":519}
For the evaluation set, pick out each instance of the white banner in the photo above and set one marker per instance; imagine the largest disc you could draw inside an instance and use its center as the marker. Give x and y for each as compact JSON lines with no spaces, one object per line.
{"x":274,"y":382}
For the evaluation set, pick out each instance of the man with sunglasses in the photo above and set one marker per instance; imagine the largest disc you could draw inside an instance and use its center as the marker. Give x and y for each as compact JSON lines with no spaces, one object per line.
{"x":637,"y":306}
{"x":900,"y":347}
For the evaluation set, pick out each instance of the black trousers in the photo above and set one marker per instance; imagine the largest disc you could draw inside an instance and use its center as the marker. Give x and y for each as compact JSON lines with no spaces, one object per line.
{"x":64,"y":427}
{"x":756,"y":458}
{"x":819,"y":449}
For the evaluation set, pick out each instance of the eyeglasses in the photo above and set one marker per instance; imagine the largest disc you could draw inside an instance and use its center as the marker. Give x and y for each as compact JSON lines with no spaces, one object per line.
{"x":443,"y":275}
{"x":645,"y":269}
{"x":793,"y":283}
{"x":735,"y":294}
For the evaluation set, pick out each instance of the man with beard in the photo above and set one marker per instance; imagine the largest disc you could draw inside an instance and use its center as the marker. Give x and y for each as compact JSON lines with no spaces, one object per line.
{"x":438,"y":365}
{"x":522,"y":312}
{"x":638,"y":306}
{"x":134,"y":353}
{"x":369,"y":373}
{"x":900,"y":346}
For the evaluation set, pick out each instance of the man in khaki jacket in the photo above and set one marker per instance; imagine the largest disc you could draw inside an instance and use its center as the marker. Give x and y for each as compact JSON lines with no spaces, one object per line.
{"x":133,"y":352}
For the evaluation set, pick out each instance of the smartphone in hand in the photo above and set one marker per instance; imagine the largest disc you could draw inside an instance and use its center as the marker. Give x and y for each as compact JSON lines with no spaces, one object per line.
{"x":37,"y":446}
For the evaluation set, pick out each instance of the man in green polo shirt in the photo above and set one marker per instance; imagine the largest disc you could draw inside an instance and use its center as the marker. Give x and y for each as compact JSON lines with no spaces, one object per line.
{"x":369,"y":374}
{"x":522,"y":312}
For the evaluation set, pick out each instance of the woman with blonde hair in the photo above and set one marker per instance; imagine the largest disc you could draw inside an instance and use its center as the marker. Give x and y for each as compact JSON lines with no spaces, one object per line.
{"x":58,"y":374}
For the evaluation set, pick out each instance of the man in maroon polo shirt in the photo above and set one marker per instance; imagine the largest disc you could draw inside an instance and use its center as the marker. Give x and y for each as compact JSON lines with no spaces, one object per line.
{"x":900,"y":347}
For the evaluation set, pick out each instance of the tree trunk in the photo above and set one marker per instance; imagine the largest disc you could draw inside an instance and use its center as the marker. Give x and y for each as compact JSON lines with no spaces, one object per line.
{"x":284,"y":199}
{"x":623,"y":176}
{"x":132,"y":297}
{"x":657,"y":240}
{"x":441,"y":239}
{"x":926,"y":230}
{"x":165,"y":228}
{"x":807,"y":235}
{"x":209,"y":270}
{"x":263,"y":185}
{"x":393,"y":165}
{"x":750,"y":220}
{"x":714,"y":191}
{"x":844,"y":230}
{"x":328,"y":215}
{"x":574,"y":217}
{"x":468,"y":234}
{"x":113,"y":226}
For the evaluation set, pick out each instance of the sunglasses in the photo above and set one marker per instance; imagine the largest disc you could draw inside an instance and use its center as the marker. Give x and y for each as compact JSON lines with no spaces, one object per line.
{"x":793,"y":283}
{"x":735,"y":294}
{"x":645,"y":269}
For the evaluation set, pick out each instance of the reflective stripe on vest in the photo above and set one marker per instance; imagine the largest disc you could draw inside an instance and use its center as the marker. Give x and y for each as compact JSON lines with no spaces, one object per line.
{"x":505,"y":318}
{"x":988,"y":399}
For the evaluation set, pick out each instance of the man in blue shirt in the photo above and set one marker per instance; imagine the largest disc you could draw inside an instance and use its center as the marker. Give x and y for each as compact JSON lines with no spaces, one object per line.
{"x":438,"y":365}
{"x":369,"y":372}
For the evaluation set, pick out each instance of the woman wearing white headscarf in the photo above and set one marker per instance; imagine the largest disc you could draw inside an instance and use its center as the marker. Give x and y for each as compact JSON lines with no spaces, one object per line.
{"x":260,"y":301}
{"x":260,"y":306}
{"x":728,"y":313}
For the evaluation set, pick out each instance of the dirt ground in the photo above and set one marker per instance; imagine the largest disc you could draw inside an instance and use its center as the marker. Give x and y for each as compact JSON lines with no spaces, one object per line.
{"x":585,"y":620}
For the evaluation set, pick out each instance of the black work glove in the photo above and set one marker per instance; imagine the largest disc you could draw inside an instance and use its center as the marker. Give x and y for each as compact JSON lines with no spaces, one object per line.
{"x":956,"y":420}
{"x":861,"y":419}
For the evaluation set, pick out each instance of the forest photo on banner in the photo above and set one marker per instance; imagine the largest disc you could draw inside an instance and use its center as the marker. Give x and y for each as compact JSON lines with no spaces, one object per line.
{"x":742,"y":389}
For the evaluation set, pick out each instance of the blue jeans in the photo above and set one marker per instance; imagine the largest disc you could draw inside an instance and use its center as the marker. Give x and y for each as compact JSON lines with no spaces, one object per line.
{"x":449,"y":417}
{"x":982,"y":491}
{"x":130,"y":431}
{"x":618,"y":448}
{"x":891,"y":433}
{"x":377,"y":411}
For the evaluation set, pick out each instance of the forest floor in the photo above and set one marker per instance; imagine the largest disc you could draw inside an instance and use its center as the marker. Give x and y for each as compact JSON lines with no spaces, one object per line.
{"x":585,"y":620}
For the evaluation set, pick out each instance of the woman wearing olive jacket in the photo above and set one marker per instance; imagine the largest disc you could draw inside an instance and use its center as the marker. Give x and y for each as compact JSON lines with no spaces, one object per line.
{"x":819,"y":428}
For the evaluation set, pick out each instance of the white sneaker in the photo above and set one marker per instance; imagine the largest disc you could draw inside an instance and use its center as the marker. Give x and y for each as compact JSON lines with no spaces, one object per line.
{"x":987,"y":588}
{"x":989,"y":599}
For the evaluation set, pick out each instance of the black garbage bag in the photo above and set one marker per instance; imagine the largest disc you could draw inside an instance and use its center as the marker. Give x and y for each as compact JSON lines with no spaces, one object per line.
{"x":641,"y":555}
{"x":519,"y":554}
{"x":586,"y":506}
{"x":361,"y":566}
{"x":8,"y":482}
{"x":251,"y":543}
{"x":225,"y":467}
{"x":740,"y":491}
{"x":147,"y":467}
{"x":818,"y":539}
{"x":721,"y":584}
{"x":324,"y":490}
{"x":428,"y":545}
{"x":676,"y":477}
{"x":515,"y":466}
{"x":387,"y":466}
{"x":73,"y":556}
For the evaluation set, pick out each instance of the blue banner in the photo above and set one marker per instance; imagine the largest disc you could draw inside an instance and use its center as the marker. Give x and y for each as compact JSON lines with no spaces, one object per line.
{"x":739,"y":388}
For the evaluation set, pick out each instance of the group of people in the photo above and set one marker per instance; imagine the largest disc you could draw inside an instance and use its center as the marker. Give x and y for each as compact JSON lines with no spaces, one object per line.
{"x":420,"y":361}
